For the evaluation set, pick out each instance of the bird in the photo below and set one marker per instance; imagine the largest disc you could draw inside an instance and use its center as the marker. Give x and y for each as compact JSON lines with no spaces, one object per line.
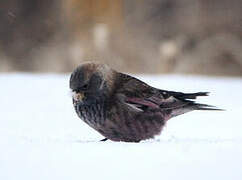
{"x":123,"y":108}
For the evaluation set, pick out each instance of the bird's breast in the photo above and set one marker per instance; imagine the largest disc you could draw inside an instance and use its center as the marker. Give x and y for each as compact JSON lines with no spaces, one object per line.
{"x":92,"y":114}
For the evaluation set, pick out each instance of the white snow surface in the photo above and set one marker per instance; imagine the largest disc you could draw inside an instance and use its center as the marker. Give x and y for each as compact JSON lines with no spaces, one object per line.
{"x":41,"y":137}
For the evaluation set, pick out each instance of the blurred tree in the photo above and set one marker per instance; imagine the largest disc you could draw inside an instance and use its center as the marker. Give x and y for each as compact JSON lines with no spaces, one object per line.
{"x":93,"y":26}
{"x":26,"y":25}
{"x":154,"y":36}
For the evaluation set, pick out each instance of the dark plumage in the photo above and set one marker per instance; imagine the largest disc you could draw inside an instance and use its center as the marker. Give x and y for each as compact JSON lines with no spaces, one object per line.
{"x":123,"y":108}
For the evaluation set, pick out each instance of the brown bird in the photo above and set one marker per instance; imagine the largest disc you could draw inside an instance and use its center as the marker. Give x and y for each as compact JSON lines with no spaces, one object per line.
{"x":123,"y":108}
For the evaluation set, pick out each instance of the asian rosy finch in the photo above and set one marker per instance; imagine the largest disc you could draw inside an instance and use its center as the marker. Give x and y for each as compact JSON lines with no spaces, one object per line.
{"x":123,"y":108}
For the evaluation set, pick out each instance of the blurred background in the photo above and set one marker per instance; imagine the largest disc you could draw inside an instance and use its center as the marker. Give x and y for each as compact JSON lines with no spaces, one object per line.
{"x":137,"y":36}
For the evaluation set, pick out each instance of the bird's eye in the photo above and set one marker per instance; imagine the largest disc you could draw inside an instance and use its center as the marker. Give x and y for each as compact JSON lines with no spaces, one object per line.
{"x":76,"y":90}
{"x":80,"y":89}
{"x":84,"y":87}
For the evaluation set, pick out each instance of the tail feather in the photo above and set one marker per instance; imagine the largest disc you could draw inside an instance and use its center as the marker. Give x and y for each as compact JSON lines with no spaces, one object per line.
{"x":183,"y":96}
{"x":198,"y":106}
{"x":194,"y":95}
{"x":186,"y":104}
{"x":193,"y":106}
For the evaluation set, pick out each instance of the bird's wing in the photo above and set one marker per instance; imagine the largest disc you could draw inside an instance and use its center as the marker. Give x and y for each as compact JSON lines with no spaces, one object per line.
{"x":142,"y":97}
{"x":139,"y":95}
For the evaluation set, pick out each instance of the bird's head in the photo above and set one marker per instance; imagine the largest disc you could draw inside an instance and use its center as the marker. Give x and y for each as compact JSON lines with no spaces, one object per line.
{"x":90,"y":81}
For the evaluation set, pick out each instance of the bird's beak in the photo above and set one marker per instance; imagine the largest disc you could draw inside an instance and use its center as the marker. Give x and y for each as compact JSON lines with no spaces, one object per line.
{"x":78,"y":96}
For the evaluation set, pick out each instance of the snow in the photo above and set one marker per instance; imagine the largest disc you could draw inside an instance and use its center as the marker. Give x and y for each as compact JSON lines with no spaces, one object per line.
{"x":41,"y":137}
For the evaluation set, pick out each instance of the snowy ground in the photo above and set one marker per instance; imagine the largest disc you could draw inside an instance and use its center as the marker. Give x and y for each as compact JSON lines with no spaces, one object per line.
{"x":41,"y":137}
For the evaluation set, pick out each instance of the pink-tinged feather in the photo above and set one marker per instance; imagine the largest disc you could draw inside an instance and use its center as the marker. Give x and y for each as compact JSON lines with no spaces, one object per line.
{"x":144,"y":102}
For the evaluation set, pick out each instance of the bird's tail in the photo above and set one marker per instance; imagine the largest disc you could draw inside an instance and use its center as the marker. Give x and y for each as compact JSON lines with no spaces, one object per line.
{"x":189,"y":105}
{"x":193,"y":106}
{"x":198,"y":106}
{"x":184,"y":96}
